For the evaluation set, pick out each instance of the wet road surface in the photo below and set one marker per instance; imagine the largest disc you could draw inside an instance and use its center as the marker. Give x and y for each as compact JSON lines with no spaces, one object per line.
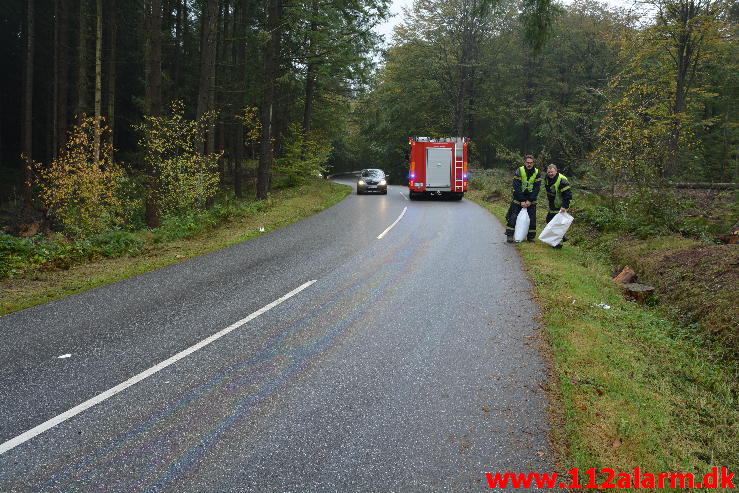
{"x":410,"y":364}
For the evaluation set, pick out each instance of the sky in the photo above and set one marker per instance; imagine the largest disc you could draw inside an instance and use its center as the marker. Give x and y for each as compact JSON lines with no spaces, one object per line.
{"x":386,"y":29}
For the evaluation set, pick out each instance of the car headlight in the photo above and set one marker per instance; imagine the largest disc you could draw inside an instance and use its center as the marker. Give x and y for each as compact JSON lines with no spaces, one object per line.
{"x":360,"y":182}
{"x":383,"y":182}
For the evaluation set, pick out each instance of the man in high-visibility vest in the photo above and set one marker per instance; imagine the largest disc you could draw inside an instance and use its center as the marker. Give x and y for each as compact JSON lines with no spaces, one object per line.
{"x":559,"y":193}
{"x":526,"y":185}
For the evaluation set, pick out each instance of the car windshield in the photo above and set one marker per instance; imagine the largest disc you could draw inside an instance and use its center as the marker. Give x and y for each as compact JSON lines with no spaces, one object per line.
{"x":374,"y":173}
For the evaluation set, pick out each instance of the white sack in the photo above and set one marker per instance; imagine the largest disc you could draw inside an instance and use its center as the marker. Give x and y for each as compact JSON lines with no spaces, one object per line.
{"x":522,"y":225}
{"x":555,"y":230}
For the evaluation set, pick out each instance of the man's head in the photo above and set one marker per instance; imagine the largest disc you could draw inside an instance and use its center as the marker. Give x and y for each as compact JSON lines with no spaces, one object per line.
{"x":528,"y":161}
{"x":552,"y":170}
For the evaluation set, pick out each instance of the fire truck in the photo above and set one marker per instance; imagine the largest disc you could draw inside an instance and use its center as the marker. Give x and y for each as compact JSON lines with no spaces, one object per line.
{"x":438,"y":167}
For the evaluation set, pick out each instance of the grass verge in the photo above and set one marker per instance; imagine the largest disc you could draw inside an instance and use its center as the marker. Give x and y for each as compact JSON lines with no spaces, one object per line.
{"x":631,"y":387}
{"x":284,"y":207}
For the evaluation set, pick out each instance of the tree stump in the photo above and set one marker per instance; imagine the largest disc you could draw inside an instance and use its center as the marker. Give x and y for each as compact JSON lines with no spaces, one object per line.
{"x":731,"y":238}
{"x":638,"y":292}
{"x":626,"y":275}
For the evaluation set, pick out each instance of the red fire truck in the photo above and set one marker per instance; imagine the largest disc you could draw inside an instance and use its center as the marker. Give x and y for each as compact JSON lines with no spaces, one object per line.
{"x":438,"y":167}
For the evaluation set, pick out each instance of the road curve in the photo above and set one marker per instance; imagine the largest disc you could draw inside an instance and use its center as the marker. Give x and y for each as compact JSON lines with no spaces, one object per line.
{"x":410,"y":364}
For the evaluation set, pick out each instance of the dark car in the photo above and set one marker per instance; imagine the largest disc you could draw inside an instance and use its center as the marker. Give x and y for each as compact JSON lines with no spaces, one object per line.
{"x":372,"y":180}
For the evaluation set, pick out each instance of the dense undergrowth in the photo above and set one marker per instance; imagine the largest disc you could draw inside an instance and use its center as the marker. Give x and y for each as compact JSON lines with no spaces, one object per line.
{"x":671,"y":243}
{"x":179,"y":238}
{"x":20,"y":256}
{"x":635,"y":385}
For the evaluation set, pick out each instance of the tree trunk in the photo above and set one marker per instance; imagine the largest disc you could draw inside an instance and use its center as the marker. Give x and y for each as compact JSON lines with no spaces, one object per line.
{"x":82,"y":87}
{"x":310,"y":74}
{"x":55,"y":91}
{"x":214,"y":96}
{"x":238,"y":157}
{"x":28,"y":111}
{"x":465,"y":59}
{"x":264,"y":171}
{"x":240,"y":52}
{"x":62,"y":76}
{"x":684,"y":57}
{"x":153,"y":69}
{"x":2,"y":151}
{"x":226,"y":56}
{"x":222,"y":148}
{"x":153,"y":98}
{"x":188,"y":44}
{"x":207,"y":59}
{"x":528,"y":98}
{"x":98,"y":77}
{"x":179,"y":45}
{"x":112,"y":71}
{"x":310,"y":89}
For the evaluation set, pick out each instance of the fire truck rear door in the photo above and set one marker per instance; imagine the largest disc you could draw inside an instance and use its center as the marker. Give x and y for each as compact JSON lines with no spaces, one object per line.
{"x":438,"y":167}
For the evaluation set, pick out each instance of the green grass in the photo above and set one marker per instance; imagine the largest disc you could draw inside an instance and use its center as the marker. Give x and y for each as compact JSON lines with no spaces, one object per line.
{"x":631,"y":387}
{"x":176,"y":241}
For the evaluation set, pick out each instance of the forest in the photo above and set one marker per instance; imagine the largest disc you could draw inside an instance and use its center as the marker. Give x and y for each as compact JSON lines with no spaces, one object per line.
{"x":137,"y":134}
{"x":117,"y":114}
{"x":166,"y":104}
{"x":647,"y":93}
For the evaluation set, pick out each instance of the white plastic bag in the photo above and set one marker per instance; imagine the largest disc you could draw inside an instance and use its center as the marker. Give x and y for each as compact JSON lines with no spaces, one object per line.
{"x":522,"y":225}
{"x":555,"y":230}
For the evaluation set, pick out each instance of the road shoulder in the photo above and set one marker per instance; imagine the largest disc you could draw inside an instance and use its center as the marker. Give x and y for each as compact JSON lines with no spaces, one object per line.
{"x":629,"y":387}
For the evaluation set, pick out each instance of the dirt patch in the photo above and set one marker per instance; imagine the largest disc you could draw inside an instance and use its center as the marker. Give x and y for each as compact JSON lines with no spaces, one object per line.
{"x":699,"y":283}
{"x":494,"y":196}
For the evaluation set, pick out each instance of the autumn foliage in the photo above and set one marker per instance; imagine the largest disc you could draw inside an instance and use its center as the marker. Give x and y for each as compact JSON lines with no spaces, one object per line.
{"x":182,"y":177}
{"x":81,"y":193}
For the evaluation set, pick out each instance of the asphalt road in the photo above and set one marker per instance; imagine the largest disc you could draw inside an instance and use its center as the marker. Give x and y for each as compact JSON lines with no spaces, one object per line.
{"x":410,"y":364}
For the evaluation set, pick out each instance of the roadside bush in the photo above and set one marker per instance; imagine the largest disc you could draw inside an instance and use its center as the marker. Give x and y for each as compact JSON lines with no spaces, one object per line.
{"x":303,"y":157}
{"x":494,"y":182}
{"x":191,"y":223}
{"x":117,"y":244}
{"x":181,"y":178}
{"x":82,"y":190}
{"x":647,"y":213}
{"x":184,"y":225}
{"x":14,"y":252}
{"x":479,"y":183}
{"x":20,"y":254}
{"x":132,"y":193}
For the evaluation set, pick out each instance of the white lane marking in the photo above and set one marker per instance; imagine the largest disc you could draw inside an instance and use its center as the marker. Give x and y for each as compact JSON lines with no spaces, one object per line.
{"x":14,"y":442}
{"x":64,"y":356}
{"x":391,"y":226}
{"x":401,"y":193}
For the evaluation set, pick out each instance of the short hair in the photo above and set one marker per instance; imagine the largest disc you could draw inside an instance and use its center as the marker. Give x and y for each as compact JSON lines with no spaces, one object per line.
{"x":552,"y":166}
{"x":528,"y":156}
